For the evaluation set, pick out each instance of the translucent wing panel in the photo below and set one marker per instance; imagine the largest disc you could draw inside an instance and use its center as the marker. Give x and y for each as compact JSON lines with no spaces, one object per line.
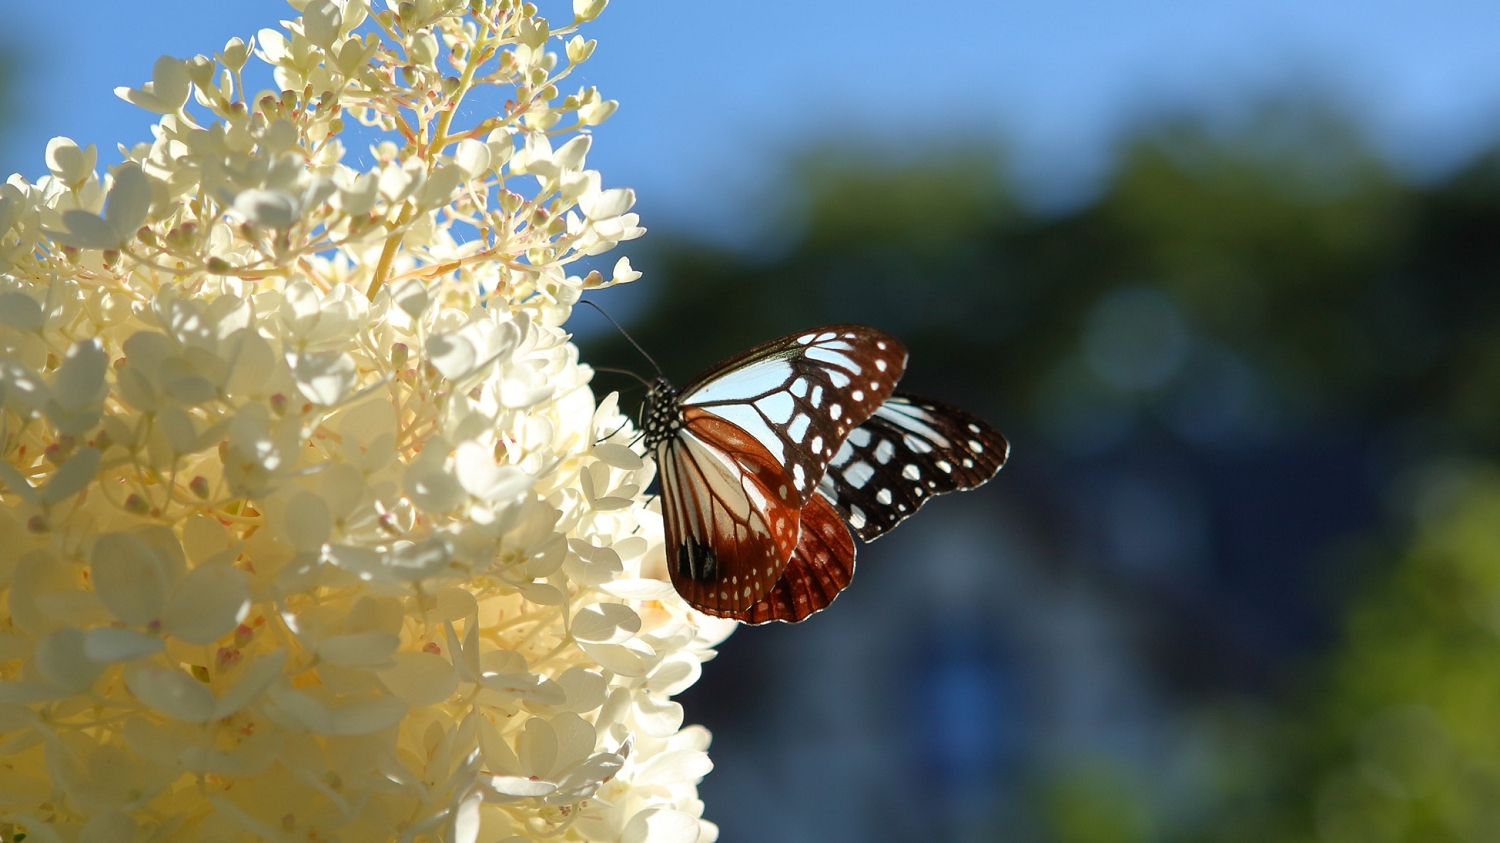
{"x":800,"y":395}
{"x":908,"y":451}
{"x":730,"y":511}
{"x":820,"y":568}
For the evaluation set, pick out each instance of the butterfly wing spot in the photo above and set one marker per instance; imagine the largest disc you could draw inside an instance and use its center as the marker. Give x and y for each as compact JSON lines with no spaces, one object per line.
{"x":884,"y":451}
{"x":835,"y":411}
{"x":976,"y":446}
{"x":944,"y":466}
{"x":914,"y":443}
{"x":816,"y":399}
{"x":859,"y":474}
{"x":799,"y":388}
{"x":859,"y":437}
{"x":881,"y":364}
{"x":798,"y":478}
{"x":777,"y":407}
{"x":838,"y":379}
{"x":974,"y":428}
{"x":817,"y":443}
{"x":857,"y":395}
{"x":884,"y":496}
{"x":856,"y":517}
{"x":880,"y":344}
{"x":911,"y":472}
{"x":968,"y":463}
{"x":798,"y":427}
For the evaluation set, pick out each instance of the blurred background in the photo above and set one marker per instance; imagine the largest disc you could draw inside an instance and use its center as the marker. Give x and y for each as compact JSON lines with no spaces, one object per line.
{"x":1225,"y":274}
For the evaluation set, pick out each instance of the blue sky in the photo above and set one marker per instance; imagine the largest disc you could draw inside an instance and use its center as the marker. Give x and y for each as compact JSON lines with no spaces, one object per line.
{"x":716,"y":96}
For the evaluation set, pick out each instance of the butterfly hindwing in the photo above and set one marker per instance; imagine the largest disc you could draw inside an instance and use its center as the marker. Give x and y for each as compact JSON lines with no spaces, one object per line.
{"x":909,"y":450}
{"x":732,"y":518}
{"x":820,"y":568}
{"x":800,"y":395}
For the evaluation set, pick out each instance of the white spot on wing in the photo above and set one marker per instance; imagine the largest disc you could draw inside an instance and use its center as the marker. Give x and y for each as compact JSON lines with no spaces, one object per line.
{"x":884,"y":451}
{"x":777,"y":406}
{"x":856,"y":517}
{"x":797,"y":429}
{"x":858,"y":474}
{"x":798,"y":477}
{"x":817,"y":444}
{"x":884,"y":496}
{"x":824,"y":355}
{"x":916,"y":444}
{"x":911,"y":472}
{"x":845,"y":452}
{"x":859,"y":437}
{"x":839,"y":379}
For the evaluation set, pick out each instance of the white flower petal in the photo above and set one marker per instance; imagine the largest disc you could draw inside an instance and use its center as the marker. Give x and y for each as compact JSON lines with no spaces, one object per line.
{"x":361,"y":649}
{"x":687,"y":765}
{"x":72,"y":476}
{"x":657,"y":717}
{"x":112,"y":644}
{"x":129,"y":577}
{"x":258,"y":676}
{"x":606,"y":623}
{"x":618,"y":456}
{"x":61,"y":660}
{"x":521,"y":785}
{"x":661,"y":825}
{"x":638,"y":589}
{"x":171,"y":691}
{"x":420,"y":678}
{"x":207,"y":604}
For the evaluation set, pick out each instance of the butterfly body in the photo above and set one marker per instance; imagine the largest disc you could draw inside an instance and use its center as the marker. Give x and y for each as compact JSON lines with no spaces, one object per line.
{"x":766,"y":457}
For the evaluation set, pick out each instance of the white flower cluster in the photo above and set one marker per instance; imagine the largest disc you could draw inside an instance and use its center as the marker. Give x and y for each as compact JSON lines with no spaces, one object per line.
{"x":310,"y":526}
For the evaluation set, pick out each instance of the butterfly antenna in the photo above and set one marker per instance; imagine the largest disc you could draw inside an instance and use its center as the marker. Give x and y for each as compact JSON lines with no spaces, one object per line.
{"x":612,"y":370}
{"x":626,"y":334}
{"x":612,"y":433}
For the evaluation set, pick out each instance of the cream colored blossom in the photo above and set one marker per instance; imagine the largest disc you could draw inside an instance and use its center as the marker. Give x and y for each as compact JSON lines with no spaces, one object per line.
{"x":311,"y":527}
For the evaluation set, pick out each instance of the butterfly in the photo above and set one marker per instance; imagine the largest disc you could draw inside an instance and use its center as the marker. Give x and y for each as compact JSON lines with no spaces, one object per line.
{"x":768,"y":460}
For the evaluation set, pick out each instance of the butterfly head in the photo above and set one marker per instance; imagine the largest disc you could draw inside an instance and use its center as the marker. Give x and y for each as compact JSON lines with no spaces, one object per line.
{"x":663,"y":415}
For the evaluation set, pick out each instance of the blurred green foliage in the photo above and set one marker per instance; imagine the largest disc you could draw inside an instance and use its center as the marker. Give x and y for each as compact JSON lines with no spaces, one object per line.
{"x":1272,"y":282}
{"x":1399,"y":740}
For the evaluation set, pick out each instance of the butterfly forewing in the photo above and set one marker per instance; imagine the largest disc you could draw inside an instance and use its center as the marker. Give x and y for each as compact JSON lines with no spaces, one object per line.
{"x":800,"y":395}
{"x":909,"y":450}
{"x":732,"y":517}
